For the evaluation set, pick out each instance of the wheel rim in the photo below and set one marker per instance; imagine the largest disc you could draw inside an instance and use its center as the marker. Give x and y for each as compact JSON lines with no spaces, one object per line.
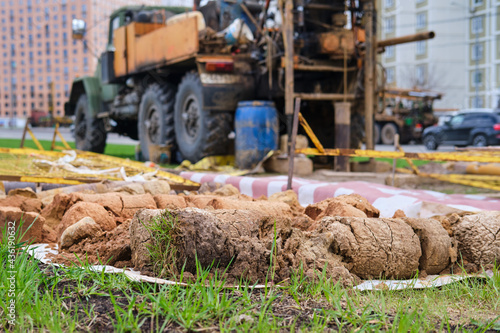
{"x":480,"y":141}
{"x":387,"y":134}
{"x":431,"y":143}
{"x":190,"y":117}
{"x":152,"y":124}
{"x":80,"y":129}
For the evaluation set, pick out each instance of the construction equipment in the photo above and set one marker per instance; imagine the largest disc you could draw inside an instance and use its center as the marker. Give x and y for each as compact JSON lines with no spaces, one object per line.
{"x":174,"y":77}
{"x":406,"y":112}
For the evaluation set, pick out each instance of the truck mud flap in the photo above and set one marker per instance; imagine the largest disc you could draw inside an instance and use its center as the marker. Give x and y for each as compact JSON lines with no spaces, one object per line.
{"x":222,"y":92}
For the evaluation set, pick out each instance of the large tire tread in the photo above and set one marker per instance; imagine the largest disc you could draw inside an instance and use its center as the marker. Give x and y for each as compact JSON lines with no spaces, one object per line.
{"x":95,"y":131}
{"x":215,"y":126}
{"x":164,"y":93}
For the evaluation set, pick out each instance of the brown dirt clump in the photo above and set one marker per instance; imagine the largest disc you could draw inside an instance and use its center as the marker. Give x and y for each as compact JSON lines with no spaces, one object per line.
{"x":311,"y":251}
{"x":48,"y":235}
{"x":83,"y":209}
{"x":303,"y":222}
{"x":269,"y":208}
{"x":352,"y":205}
{"x":290,"y":198}
{"x":156,"y":187}
{"x":226,"y":191}
{"x":372,"y":247}
{"x":122,"y":206}
{"x":110,"y":247}
{"x":209,"y":187}
{"x":242,"y":202}
{"x":448,"y":221}
{"x":112,"y":202}
{"x":131,"y":188}
{"x":478,"y":238}
{"x":32,"y":223}
{"x":132,"y":203}
{"x":24,"y":192}
{"x":26,"y":204}
{"x":398,"y":214}
{"x":360,"y":203}
{"x":169,"y":201}
{"x":54,"y":212}
{"x":82,"y":229}
{"x":437,"y":249}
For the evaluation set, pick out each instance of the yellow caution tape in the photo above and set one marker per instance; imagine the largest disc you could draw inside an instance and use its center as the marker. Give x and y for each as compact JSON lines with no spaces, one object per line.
{"x":311,"y":134}
{"x":445,"y":156}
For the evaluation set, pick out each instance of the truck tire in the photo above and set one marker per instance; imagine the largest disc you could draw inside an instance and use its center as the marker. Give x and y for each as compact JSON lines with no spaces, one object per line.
{"x":155,"y":125}
{"x":387,"y":133}
{"x":90,"y":131}
{"x":376,"y":133}
{"x":198,"y":132}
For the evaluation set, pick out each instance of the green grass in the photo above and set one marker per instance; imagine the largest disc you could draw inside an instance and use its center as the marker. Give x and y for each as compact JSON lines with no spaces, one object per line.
{"x":400,"y":163}
{"x":164,"y":230}
{"x":72,"y":299}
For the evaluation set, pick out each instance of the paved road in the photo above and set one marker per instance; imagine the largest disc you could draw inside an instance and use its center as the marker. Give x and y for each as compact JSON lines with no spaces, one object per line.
{"x":46,"y":134}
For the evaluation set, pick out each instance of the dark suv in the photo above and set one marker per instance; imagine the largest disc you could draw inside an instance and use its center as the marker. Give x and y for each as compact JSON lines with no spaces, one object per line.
{"x":479,"y":129}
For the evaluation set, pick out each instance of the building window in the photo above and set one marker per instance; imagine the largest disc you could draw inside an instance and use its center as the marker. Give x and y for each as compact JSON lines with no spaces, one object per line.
{"x":389,"y":3}
{"x":389,"y":52}
{"x":421,"y":20}
{"x":389,"y":25}
{"x":477,"y":102}
{"x":421,"y":47}
{"x":420,"y":74}
{"x":477,"y":78}
{"x":390,"y":74}
{"x":477,"y":51}
{"x":477,"y":24}
{"x":478,"y":2}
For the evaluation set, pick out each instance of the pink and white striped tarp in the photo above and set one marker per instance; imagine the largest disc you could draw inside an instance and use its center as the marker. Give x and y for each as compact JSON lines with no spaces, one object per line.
{"x":385,"y":198}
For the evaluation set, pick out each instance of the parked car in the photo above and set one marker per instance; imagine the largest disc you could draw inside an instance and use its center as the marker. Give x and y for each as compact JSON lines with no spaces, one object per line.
{"x":479,"y":129}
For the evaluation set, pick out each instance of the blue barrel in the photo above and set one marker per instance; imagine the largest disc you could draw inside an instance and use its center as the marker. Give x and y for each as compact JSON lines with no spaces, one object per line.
{"x":256,"y":125}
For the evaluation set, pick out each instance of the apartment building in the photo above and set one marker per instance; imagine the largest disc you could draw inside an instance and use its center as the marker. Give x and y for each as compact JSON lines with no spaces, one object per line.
{"x":483,"y":53}
{"x":39,"y":59}
{"x":439,"y":64}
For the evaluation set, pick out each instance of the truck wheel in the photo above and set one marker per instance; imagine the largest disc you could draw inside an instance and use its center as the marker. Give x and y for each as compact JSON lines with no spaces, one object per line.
{"x":155,"y":125}
{"x":376,"y":134}
{"x":90,"y":132}
{"x":387,"y":133}
{"x":198,"y":132}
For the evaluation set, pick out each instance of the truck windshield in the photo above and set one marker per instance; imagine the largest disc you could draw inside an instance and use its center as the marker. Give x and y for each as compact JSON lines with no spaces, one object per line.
{"x":115,"y":24}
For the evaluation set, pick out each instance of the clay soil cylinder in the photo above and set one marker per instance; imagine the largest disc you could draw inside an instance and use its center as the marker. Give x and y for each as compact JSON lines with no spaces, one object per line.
{"x":373,"y":248}
{"x":478,"y":238}
{"x":240,"y":240}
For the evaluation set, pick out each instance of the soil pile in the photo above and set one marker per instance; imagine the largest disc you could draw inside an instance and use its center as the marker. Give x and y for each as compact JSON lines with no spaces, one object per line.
{"x":255,"y":238}
{"x":109,"y":247}
{"x":345,"y":205}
